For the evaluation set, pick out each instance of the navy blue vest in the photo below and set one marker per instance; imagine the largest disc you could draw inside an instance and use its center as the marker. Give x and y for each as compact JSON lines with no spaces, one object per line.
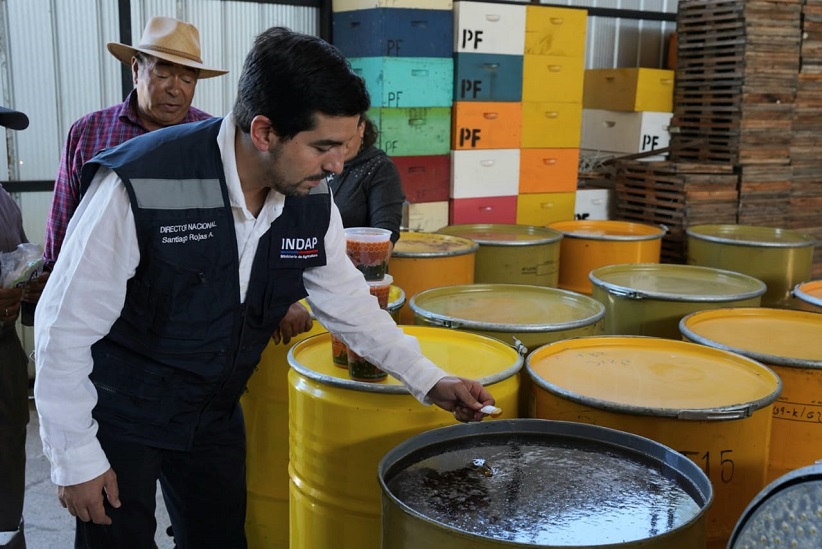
{"x":184,"y":346}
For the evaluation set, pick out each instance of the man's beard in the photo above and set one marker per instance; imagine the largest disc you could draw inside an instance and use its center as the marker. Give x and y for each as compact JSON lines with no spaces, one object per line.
{"x":279,"y":183}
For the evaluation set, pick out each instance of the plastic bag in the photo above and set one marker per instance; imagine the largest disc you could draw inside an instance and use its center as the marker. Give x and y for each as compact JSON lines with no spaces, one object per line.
{"x":20,"y":266}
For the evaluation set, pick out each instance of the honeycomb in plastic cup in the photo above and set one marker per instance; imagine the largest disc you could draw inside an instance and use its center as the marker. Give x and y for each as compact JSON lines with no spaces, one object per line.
{"x":367,"y":248}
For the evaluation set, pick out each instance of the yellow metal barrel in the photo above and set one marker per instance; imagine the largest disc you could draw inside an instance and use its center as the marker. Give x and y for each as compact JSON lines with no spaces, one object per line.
{"x":713,"y":406}
{"x":780,"y":258}
{"x":527,"y":483}
{"x":590,"y":244}
{"x":428,"y":260}
{"x":790,"y":343}
{"x":512,"y":254}
{"x":650,"y":299}
{"x":339,"y":429}
{"x":808,"y":296}
{"x":265,"y":407}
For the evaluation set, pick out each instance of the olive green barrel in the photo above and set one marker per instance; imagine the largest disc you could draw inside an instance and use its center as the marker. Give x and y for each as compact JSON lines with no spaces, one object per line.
{"x":524,"y":483}
{"x":780,"y":258}
{"x":517,"y":314}
{"x":650,"y":299}
{"x":512,"y":254}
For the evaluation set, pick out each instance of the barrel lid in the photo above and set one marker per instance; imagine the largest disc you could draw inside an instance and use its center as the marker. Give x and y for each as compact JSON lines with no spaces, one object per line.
{"x":782,"y":337}
{"x":810,"y":292}
{"x":396,"y":298}
{"x":506,"y":307}
{"x":465,"y":354}
{"x":654,"y":376}
{"x":503,"y":235}
{"x":676,"y":282}
{"x":784,"y":514}
{"x":607,"y":229}
{"x":751,"y":235}
{"x":413,"y":244}
{"x":545,"y":483}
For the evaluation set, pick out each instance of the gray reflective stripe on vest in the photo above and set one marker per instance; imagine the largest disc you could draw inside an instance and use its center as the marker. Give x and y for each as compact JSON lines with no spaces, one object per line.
{"x":322,"y":188}
{"x":177,"y":194}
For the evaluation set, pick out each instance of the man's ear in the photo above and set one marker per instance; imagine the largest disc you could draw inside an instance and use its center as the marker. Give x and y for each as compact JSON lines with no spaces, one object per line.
{"x":262,"y":134}
{"x":135,"y":70}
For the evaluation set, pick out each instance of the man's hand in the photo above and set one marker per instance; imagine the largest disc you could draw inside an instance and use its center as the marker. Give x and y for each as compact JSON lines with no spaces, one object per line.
{"x":85,"y":500}
{"x":10,"y":304}
{"x":296,"y":321}
{"x":464,"y":397}
{"x":33,"y":288}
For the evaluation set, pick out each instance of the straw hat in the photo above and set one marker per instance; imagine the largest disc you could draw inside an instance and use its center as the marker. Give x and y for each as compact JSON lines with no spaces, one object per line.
{"x":170,"y":40}
{"x":14,"y":120}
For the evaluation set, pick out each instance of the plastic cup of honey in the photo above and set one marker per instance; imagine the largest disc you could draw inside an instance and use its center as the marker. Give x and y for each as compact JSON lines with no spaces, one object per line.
{"x":381,"y":289}
{"x":367,"y":248}
{"x":339,"y":352}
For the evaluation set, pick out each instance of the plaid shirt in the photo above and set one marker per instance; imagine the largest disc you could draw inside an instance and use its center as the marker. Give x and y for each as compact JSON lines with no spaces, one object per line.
{"x":88,"y":136}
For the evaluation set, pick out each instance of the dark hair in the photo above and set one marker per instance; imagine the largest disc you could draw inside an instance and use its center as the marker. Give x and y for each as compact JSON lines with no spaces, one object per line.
{"x":289,"y":77}
{"x":369,"y":136}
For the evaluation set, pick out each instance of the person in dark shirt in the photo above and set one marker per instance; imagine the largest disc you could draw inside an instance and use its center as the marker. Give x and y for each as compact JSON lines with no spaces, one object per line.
{"x":14,"y":382}
{"x":368,"y":191}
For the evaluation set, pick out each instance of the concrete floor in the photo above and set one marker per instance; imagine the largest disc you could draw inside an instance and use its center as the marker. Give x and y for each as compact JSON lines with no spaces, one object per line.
{"x":48,"y":525}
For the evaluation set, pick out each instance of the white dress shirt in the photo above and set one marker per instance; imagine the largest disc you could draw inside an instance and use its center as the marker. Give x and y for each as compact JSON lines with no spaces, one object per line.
{"x":86,"y":292}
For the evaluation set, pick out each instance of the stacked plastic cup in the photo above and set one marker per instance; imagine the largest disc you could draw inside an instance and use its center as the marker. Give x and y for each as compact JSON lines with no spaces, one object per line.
{"x":368,"y":248}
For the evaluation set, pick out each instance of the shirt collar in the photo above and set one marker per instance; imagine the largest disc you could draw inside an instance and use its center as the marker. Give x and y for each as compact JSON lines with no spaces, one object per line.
{"x":225,"y":140}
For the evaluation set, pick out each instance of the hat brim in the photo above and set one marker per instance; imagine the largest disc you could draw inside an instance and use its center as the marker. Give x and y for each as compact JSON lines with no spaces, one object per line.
{"x":124,"y":54}
{"x":14,"y":120}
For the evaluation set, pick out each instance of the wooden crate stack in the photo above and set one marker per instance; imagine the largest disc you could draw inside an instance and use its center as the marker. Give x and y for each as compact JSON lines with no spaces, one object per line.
{"x":676,"y":195}
{"x":806,"y":147}
{"x":743,"y":101}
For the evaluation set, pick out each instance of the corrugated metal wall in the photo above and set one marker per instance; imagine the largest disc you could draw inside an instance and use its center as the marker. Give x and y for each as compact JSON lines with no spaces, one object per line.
{"x":54,"y":66}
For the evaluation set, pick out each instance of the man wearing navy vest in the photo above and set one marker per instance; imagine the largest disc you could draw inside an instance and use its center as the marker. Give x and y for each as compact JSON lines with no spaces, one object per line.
{"x":177,"y":268}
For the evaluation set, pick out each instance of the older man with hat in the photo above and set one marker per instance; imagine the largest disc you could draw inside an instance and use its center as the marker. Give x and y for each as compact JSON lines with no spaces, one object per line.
{"x":165,"y":67}
{"x":14,"y":382}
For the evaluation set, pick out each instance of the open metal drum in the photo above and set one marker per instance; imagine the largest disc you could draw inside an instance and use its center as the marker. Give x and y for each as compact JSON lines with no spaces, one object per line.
{"x":525,"y":483}
{"x":340,"y":428}
{"x":780,"y":258}
{"x":785,"y":514}
{"x":713,"y":406}
{"x":790,"y":343}
{"x":427,"y":260}
{"x":650,"y":299}
{"x":589,"y":244}
{"x":512,"y":254}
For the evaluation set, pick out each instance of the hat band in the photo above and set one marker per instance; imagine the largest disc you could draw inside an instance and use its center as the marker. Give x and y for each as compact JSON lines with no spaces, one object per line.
{"x":173,"y":52}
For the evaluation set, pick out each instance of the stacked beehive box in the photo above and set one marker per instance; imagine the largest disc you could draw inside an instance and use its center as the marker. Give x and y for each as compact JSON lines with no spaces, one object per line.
{"x":739,"y":102}
{"x":553,"y":76}
{"x":487,"y":112}
{"x":403,"y":50}
{"x":627,"y":111}
{"x":517,"y":112}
